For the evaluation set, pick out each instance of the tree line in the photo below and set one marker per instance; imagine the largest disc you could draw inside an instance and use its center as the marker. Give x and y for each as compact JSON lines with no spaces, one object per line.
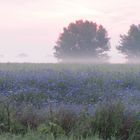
{"x":85,"y":41}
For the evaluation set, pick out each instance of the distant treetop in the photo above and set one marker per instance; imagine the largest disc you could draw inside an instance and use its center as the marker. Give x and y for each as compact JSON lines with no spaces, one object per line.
{"x":130,"y":43}
{"x":82,"y":41}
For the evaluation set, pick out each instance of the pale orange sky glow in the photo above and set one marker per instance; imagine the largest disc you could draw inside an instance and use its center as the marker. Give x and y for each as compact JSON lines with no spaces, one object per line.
{"x":32,"y":26}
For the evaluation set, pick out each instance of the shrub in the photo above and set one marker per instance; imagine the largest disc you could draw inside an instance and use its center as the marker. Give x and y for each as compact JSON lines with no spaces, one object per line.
{"x":134,"y":132}
{"x":30,"y":117}
{"x":67,"y":119}
{"x":51,"y":128}
{"x":108,"y":119}
{"x":17,"y":128}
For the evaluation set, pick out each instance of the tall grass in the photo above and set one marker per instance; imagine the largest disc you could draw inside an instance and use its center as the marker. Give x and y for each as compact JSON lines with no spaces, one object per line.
{"x":110,"y":119}
{"x":34,"y":136}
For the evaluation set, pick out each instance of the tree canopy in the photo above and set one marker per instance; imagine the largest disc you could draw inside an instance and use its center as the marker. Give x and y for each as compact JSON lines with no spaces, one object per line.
{"x":82,"y":40}
{"x":130,"y":43}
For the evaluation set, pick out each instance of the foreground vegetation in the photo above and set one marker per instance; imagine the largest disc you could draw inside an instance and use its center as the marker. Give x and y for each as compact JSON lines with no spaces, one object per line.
{"x":39,"y":101}
{"x":33,"y":136}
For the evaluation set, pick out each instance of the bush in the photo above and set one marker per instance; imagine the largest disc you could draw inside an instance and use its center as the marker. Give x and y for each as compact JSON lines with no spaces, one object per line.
{"x":134,"y":133}
{"x":30,"y":117}
{"x":51,"y":129}
{"x":67,"y":119}
{"x":17,"y":128}
{"x":108,"y":120}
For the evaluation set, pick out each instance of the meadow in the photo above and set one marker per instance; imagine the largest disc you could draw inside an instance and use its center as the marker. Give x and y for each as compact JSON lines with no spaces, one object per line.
{"x":70,"y":101}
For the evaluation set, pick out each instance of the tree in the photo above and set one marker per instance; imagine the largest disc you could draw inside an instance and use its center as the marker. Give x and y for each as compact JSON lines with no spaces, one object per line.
{"x":82,"y":40}
{"x":130,"y":43}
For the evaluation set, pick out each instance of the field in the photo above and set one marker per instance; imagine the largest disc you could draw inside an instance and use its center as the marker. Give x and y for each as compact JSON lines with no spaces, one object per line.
{"x":77,"y":101}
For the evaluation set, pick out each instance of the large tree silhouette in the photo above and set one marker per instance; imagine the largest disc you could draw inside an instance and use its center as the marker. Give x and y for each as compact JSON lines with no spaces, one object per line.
{"x":130,"y":43}
{"x":82,"y":40}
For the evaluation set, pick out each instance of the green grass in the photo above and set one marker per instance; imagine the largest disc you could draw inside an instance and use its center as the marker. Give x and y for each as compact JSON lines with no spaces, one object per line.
{"x":33,"y":136}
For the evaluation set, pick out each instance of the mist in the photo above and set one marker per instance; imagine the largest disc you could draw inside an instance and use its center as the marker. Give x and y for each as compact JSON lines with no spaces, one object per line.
{"x":35,"y":25}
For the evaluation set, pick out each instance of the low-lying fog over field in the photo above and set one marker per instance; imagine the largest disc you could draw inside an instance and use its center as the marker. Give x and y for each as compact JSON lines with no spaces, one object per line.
{"x":69,"y":70}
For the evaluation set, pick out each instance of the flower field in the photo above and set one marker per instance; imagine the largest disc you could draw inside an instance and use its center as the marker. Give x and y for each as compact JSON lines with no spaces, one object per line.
{"x":32,"y":91}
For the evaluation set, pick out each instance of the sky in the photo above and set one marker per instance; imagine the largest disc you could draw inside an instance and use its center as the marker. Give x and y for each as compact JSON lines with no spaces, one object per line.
{"x":30,"y":28}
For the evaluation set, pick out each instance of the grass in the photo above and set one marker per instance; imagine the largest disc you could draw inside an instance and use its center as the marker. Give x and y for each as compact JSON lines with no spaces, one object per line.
{"x":33,"y":136}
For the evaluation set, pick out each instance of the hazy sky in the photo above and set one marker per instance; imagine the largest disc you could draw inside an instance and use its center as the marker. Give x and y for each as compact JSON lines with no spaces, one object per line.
{"x":29,"y":28}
